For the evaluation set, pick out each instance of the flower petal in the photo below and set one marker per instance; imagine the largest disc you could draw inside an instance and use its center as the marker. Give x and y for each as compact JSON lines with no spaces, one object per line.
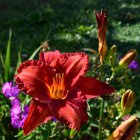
{"x":51,"y":58}
{"x":92,"y":87}
{"x":32,"y":77}
{"x":76,"y":65}
{"x":38,"y":114}
{"x":71,"y":111}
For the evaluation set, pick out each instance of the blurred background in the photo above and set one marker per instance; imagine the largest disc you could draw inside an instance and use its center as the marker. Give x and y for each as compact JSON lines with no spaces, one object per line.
{"x":67,"y":25}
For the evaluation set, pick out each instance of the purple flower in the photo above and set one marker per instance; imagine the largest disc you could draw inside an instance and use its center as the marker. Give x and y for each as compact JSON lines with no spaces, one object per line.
{"x":134,"y":65}
{"x":9,"y":90}
{"x":16,"y":123}
{"x":15,"y":111}
{"x":18,"y":116}
{"x":15,"y":101}
{"x":5,"y":89}
{"x":23,"y":117}
{"x":26,"y":109}
{"x":14,"y":91}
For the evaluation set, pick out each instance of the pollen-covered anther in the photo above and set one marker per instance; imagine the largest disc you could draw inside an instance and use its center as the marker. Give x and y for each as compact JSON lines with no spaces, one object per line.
{"x":57,"y":89}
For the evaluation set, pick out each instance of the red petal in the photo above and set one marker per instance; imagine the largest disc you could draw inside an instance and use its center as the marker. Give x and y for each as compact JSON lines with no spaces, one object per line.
{"x":76,"y":65}
{"x":71,"y":111}
{"x":101,"y":19}
{"x":51,"y":58}
{"x":32,"y":77}
{"x":38,"y":114}
{"x":93,"y":88}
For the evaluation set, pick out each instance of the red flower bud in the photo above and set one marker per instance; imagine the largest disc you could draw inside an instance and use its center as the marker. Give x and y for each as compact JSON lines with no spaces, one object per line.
{"x":102,"y":26}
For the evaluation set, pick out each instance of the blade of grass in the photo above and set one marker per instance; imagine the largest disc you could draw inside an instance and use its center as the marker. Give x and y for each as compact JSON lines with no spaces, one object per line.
{"x":1,"y":80}
{"x":7,"y":58}
{"x":35,"y":52}
{"x":2,"y":61}
{"x":19,"y":57}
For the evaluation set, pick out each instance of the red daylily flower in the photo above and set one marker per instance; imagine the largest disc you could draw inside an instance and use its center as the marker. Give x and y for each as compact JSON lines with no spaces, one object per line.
{"x":58,"y":88}
{"x":102,"y":27}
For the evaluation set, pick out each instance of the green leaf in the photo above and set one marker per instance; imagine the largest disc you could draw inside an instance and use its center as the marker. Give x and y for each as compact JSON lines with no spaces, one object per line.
{"x":2,"y":60}
{"x":1,"y":79}
{"x":20,"y":133}
{"x":72,"y":133}
{"x":7,"y":58}
{"x":19,"y":57}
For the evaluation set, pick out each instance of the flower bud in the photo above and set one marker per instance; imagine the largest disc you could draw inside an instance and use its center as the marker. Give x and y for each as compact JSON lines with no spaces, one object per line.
{"x":128,"y":58}
{"x":112,"y":55}
{"x":113,"y":50}
{"x":102,"y":27}
{"x":126,"y":130}
{"x":127,"y":101}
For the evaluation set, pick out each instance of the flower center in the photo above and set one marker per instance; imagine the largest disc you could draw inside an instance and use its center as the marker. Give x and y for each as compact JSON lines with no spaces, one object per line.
{"x":57,"y":88}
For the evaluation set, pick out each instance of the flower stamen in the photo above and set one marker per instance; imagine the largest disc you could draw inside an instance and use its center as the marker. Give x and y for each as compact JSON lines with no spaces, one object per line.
{"x":57,"y":89}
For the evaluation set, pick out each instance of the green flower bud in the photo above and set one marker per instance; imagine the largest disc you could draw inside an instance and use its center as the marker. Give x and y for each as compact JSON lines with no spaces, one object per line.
{"x":127,"y":101}
{"x":126,"y":130}
{"x":128,"y":58}
{"x":113,"y":50}
{"x":112,"y":55}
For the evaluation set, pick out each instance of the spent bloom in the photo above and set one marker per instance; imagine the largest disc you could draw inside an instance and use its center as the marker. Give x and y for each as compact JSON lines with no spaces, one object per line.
{"x":10,"y":90}
{"x":59,"y":88}
{"x":102,"y":27}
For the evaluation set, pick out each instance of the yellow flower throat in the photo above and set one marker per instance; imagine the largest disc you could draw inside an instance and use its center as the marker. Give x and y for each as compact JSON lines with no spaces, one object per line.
{"x":57,"y":88}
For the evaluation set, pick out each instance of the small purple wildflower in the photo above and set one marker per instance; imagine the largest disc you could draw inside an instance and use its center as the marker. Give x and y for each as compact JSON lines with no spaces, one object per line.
{"x":15,"y":110}
{"x":15,"y":101}
{"x":9,"y":90}
{"x":26,"y":109}
{"x":5,"y":89}
{"x":23,"y":117}
{"x":134,"y":65}
{"x":18,"y":116}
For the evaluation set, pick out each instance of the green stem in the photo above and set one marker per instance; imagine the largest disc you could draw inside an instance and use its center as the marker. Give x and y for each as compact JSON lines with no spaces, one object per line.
{"x":100,"y":120}
{"x":101,"y":108}
{"x":54,"y":130}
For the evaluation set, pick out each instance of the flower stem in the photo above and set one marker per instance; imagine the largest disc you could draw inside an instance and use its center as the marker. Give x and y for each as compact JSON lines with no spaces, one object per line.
{"x":100,"y":119}
{"x":54,"y":130}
